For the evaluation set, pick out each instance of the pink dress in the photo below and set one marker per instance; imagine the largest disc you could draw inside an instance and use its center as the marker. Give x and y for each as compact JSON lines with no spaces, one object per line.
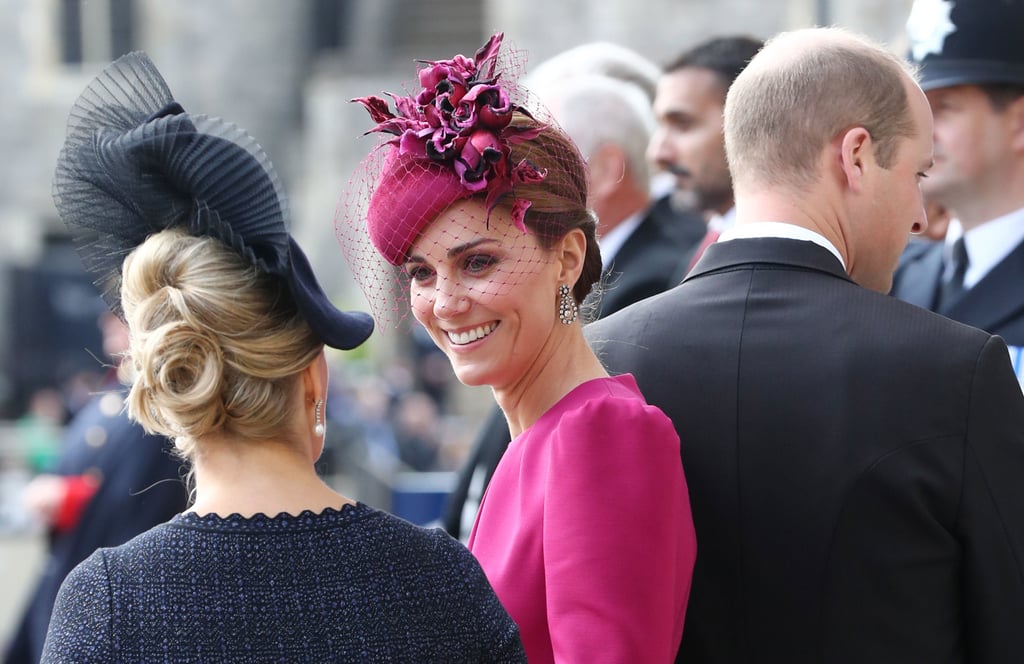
{"x":585,"y":530}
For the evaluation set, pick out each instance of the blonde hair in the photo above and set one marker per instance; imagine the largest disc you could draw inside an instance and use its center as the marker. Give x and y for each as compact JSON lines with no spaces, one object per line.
{"x":783,"y":109}
{"x":215,"y":345}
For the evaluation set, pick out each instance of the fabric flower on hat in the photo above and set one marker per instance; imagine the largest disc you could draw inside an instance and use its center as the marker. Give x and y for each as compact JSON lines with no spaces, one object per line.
{"x":461,"y":118}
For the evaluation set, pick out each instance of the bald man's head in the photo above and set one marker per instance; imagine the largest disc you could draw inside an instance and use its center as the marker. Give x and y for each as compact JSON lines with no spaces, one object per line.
{"x":801,"y":91}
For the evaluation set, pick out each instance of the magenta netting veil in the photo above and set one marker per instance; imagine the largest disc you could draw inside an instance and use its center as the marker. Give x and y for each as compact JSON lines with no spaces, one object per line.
{"x":467,"y":133}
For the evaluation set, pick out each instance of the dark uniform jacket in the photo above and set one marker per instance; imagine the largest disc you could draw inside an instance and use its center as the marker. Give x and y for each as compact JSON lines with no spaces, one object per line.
{"x":995,"y":304}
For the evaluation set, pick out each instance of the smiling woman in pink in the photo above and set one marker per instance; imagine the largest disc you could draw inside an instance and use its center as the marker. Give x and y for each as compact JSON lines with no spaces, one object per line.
{"x":478,"y":209}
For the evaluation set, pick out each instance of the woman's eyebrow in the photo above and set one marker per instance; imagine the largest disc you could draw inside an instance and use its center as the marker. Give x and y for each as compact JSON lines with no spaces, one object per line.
{"x":462,"y":248}
{"x":454,"y":251}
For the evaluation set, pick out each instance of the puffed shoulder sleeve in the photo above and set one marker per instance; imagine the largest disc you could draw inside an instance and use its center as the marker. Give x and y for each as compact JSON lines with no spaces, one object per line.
{"x":619,"y":545}
{"x":80,"y":624}
{"x":990,"y":522}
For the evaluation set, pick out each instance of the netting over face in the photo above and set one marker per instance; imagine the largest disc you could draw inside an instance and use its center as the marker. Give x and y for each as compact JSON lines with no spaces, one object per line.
{"x":465,"y":255}
{"x":472,"y":275}
{"x":526,"y":183}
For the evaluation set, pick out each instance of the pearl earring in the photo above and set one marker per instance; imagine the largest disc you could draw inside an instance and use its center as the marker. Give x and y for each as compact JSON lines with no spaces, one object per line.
{"x":318,"y":427}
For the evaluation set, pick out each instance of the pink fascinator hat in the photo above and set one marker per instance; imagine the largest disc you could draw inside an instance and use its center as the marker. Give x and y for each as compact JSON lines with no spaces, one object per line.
{"x":410,"y":193}
{"x":451,"y":141}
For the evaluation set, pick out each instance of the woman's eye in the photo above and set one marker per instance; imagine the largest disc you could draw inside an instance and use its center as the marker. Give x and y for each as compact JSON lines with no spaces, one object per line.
{"x":418,"y":273}
{"x":479,"y":262}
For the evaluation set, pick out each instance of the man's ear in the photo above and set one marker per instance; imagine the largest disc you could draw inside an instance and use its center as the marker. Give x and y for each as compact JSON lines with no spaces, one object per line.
{"x":1015,"y":118}
{"x":856,"y":156}
{"x":607,"y":168}
{"x":572,"y":250}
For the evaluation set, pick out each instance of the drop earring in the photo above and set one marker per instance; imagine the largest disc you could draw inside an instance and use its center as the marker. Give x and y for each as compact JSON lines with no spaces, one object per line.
{"x":568,"y":310}
{"x":318,"y":426}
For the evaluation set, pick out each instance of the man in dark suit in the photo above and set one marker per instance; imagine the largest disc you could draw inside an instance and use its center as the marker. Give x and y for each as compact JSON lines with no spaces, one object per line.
{"x":854,"y":462}
{"x":599,"y":94}
{"x":971,"y":55}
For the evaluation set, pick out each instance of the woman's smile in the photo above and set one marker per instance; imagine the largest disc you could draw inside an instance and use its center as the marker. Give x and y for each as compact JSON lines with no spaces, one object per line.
{"x":473,"y":334}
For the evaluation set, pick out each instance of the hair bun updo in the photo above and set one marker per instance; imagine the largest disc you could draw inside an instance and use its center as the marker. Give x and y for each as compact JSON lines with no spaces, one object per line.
{"x":214,"y":343}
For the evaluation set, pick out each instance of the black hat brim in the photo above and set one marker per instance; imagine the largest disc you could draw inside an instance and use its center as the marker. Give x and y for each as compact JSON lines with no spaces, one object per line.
{"x":343,"y":330}
{"x":935,"y":73}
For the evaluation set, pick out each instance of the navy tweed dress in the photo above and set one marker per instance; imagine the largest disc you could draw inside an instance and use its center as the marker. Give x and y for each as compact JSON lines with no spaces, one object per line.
{"x":348,"y":585}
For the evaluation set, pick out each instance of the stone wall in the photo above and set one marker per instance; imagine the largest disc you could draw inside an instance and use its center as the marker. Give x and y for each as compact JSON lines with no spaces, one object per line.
{"x":661,"y":29}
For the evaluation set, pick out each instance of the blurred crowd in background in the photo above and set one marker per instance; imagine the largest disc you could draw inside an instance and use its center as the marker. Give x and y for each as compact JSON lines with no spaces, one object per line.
{"x":382,"y":420}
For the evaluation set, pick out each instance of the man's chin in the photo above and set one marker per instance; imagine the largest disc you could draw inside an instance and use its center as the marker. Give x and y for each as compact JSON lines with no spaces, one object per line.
{"x":684,"y":199}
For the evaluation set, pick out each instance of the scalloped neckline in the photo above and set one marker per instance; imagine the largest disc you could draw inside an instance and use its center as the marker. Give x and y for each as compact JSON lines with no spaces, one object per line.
{"x":236,"y":519}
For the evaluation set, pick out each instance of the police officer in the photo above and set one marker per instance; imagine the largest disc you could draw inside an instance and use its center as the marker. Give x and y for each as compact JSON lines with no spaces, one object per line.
{"x":971,"y":55}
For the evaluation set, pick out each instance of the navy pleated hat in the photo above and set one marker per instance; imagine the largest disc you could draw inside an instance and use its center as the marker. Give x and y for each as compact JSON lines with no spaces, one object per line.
{"x":135,"y":163}
{"x":961,"y":42}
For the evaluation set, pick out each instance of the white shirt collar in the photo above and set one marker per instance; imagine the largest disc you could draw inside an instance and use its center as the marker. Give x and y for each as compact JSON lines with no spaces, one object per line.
{"x":987,"y":244}
{"x":723,"y":222}
{"x":612,"y":241}
{"x":781,"y":230}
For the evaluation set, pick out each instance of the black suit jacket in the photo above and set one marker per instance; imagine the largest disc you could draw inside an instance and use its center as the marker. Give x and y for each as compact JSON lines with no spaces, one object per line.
{"x":995,"y":304}
{"x":648,"y":261}
{"x":855,"y":463}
